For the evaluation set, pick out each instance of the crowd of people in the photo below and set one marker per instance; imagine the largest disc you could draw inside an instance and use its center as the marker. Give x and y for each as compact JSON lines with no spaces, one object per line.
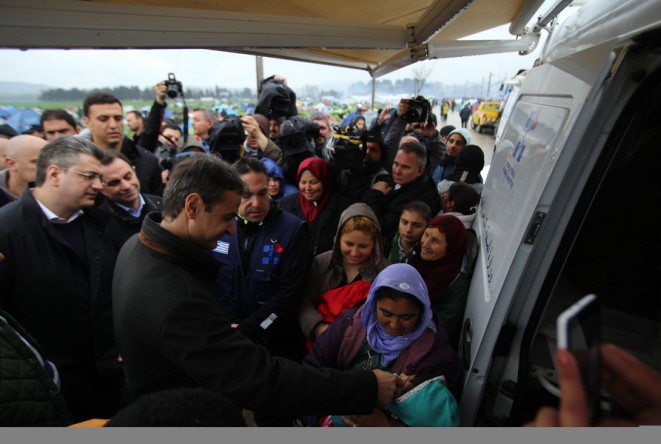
{"x":305,"y":276}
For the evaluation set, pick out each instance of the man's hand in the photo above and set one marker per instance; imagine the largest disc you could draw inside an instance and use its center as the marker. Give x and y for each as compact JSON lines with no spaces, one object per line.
{"x":403,"y":107}
{"x":160,"y":91}
{"x":387,"y":384}
{"x":385,"y":115}
{"x":635,"y":386}
{"x":252,"y":127}
{"x":382,"y":186}
{"x":428,"y":129}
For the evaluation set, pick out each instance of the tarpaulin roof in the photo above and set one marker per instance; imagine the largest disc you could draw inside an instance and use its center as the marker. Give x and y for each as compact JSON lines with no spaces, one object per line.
{"x":379,"y":36}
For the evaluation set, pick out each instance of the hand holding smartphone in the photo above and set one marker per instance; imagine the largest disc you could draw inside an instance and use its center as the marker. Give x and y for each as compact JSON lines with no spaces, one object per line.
{"x":579,"y":332}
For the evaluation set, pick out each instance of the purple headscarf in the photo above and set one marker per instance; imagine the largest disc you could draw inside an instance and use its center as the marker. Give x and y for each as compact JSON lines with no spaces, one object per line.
{"x":406,"y":279}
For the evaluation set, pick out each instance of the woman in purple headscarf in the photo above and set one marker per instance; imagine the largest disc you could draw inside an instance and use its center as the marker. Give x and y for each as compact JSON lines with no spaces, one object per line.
{"x":395,"y":330}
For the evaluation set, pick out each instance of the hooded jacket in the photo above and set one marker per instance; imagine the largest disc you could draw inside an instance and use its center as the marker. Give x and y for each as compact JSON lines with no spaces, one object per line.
{"x":274,"y":170}
{"x":327,"y":270}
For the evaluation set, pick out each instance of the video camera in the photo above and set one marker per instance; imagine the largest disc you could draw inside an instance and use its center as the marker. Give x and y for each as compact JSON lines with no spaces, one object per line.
{"x":175,"y":88}
{"x":419,"y":110}
{"x":347,"y":149}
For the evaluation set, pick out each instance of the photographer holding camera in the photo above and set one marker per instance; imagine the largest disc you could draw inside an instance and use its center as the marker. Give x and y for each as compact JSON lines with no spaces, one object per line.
{"x":410,"y":113}
{"x":149,"y":138}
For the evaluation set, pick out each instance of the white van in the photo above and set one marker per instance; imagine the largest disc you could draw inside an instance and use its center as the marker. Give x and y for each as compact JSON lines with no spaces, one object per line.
{"x":570,"y":207}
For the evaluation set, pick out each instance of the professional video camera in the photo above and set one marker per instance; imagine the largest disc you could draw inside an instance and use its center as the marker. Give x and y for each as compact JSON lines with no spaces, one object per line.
{"x":276,"y":100}
{"x":419,"y":110}
{"x":296,"y":136}
{"x":175,"y":88}
{"x":226,"y":138}
{"x":347,"y":148}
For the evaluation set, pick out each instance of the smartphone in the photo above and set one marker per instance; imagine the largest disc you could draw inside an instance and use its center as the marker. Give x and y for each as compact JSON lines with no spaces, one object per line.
{"x":579,"y":332}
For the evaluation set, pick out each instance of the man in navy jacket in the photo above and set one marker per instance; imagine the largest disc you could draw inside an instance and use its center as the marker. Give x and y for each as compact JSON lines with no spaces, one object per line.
{"x":266,"y":264}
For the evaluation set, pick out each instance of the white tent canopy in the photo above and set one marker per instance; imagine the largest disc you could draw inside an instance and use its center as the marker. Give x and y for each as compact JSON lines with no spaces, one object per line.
{"x":378,"y":36}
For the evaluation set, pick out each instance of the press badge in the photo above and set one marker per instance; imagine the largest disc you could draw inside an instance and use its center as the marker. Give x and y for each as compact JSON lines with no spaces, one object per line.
{"x":266,"y":323}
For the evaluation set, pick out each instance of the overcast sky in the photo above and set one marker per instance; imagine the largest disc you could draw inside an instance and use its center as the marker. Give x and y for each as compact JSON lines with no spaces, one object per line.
{"x":88,"y":69}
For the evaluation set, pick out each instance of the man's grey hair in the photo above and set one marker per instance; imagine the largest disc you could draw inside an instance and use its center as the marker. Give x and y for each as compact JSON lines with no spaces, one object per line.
{"x":208,"y":114}
{"x":413,"y":145}
{"x":321,"y":116}
{"x":64,"y":152}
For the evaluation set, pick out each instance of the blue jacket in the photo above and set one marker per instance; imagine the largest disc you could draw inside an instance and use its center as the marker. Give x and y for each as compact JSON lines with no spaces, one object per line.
{"x":264,"y":297}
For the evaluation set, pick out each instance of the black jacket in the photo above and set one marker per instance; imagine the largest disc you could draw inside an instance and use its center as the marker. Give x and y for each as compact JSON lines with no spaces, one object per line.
{"x":172,"y":332}
{"x":122,"y":225}
{"x":389,"y":208}
{"x":146,"y":167}
{"x":63,"y":301}
{"x":149,"y":137}
{"x":28,"y":395}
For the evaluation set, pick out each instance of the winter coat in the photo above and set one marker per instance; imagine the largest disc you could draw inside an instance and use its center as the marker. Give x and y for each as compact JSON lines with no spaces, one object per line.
{"x":172,"y":332}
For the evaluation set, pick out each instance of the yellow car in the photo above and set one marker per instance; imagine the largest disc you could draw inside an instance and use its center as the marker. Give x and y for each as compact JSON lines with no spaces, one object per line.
{"x":486,"y":115}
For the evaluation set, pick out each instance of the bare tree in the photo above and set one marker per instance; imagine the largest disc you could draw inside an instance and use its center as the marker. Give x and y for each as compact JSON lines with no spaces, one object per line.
{"x":421,"y":71}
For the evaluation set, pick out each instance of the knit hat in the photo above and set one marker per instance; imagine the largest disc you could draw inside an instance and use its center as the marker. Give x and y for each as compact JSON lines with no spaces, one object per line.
{"x":463,"y":132}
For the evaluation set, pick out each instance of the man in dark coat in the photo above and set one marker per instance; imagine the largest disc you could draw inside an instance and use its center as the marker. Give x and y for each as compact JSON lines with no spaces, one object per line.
{"x":172,"y":330}
{"x":55,"y":280}
{"x":122,"y":198}
{"x":104,"y":116}
{"x":410,"y":183}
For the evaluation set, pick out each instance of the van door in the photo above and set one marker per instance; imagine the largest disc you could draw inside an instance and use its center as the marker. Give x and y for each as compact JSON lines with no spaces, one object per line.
{"x":533,"y":206}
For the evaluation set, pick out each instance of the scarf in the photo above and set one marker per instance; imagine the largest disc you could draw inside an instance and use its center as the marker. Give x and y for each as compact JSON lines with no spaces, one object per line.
{"x":439,"y":274}
{"x":319,"y":169}
{"x":404,"y":278}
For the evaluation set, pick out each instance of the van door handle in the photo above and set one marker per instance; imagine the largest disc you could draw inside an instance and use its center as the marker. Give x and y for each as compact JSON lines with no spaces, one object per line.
{"x":467,"y":339}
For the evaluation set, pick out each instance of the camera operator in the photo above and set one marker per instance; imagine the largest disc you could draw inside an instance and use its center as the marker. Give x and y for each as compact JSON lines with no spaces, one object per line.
{"x":412,"y":111}
{"x":277,"y":102}
{"x":357,"y":167}
{"x":152,"y":129}
{"x":257,"y":143}
{"x":297,"y":144}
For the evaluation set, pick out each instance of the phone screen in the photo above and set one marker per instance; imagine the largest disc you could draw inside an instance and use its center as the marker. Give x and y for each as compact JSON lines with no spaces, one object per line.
{"x":579,"y":332}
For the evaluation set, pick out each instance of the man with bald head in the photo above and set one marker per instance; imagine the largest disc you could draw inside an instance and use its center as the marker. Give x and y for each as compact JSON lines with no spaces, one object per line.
{"x":3,"y":145}
{"x":21,"y":155}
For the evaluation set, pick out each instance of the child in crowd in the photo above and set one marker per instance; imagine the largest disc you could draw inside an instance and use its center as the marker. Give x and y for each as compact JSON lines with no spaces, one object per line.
{"x":412,"y":223}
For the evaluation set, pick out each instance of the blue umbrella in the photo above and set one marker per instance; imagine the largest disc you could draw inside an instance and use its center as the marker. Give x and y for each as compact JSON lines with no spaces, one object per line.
{"x":24,"y":119}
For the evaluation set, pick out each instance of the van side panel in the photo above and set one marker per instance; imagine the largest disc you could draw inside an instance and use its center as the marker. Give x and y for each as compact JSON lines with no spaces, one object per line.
{"x":533,"y":141}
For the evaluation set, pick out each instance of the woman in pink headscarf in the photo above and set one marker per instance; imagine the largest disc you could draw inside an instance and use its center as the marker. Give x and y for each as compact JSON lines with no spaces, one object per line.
{"x":316,"y":203}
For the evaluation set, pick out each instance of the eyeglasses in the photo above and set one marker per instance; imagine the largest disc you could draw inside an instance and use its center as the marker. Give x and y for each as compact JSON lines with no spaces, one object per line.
{"x":91,"y":177}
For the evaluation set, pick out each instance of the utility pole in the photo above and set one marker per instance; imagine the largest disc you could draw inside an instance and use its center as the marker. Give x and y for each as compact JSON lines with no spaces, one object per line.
{"x":259,"y":66}
{"x":489,"y":86}
{"x":482,"y":88}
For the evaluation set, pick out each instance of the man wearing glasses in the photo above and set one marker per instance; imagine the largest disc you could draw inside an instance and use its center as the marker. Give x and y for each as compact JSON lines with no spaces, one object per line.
{"x":57,"y":273}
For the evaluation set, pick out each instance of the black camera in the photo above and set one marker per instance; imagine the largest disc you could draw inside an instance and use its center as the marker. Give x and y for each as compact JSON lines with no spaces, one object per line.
{"x":175,"y":89}
{"x":419,"y":110}
{"x":347,"y":149}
